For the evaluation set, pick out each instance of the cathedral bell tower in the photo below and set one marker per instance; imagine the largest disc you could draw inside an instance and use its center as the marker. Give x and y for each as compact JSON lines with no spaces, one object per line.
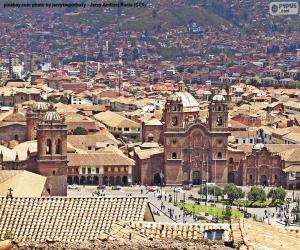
{"x":173,"y":113}
{"x":218,"y":127}
{"x":52,"y":152}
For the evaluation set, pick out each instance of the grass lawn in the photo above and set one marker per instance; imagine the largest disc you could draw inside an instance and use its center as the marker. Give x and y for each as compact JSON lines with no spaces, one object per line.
{"x":210,"y":210}
{"x":267,"y":203}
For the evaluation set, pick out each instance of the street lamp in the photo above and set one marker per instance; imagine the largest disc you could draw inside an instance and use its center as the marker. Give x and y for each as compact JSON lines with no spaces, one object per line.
{"x":174,"y":197}
{"x":161,"y":175}
{"x":183,"y":207}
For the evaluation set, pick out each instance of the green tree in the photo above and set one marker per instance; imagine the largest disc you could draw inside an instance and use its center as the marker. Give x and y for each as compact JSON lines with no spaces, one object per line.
{"x":277,"y":195}
{"x":233,"y":192}
{"x":211,"y":190}
{"x":257,"y":194}
{"x":80,"y":131}
{"x":227,"y":213}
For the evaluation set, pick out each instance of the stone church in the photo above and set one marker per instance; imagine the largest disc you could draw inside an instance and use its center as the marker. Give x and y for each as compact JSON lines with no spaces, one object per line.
{"x":193,"y":151}
{"x":49,"y":128}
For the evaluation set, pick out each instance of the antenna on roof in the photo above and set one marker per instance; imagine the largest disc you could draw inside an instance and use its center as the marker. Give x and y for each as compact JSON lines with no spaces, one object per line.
{"x":86,"y":61}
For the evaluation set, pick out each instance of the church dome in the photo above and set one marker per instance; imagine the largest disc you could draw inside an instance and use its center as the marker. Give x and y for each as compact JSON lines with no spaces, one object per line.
{"x":189,"y":102}
{"x":40,"y":106}
{"x":52,"y":116}
{"x":173,"y":98}
{"x":218,"y":98}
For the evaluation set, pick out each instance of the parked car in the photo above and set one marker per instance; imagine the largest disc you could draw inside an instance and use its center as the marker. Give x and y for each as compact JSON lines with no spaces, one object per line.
{"x":116,"y":188}
{"x":152,"y":188}
{"x":101,"y":187}
{"x":187,"y":187}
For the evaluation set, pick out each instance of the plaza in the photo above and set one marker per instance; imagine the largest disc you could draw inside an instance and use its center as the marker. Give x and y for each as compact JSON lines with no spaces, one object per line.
{"x":164,"y":210}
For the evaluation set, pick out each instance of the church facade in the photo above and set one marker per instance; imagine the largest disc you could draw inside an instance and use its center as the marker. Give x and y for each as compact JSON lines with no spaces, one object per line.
{"x":194,"y":151}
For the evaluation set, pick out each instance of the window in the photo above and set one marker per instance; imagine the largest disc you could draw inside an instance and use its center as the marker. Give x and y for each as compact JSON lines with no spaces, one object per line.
{"x":236,"y":141}
{"x":219,"y":108}
{"x":174,"y":141}
{"x":53,"y":172}
{"x":174,"y":121}
{"x":219,"y":121}
{"x":89,"y":170}
{"x":119,"y":129}
{"x":83,"y":170}
{"x":58,"y":147}
{"x":244,"y":141}
{"x":174,"y":155}
{"x":275,"y":176}
{"x":105,"y":169}
{"x":251,"y":140}
{"x":220,"y":141}
{"x":16,"y":137}
{"x":48,"y":147}
{"x":126,"y":129}
{"x":250,"y":177}
{"x":89,"y":148}
{"x":219,"y":155}
{"x":97,"y":170}
{"x":173,"y":108}
{"x":230,"y":160}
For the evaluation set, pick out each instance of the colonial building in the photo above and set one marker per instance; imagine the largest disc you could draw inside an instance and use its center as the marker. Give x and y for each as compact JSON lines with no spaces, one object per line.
{"x":265,"y":165}
{"x":194,"y":151}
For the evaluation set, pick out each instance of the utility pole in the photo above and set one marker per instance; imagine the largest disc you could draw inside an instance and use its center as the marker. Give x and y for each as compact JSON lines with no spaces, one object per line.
{"x":86,"y":62}
{"x":120,"y":73}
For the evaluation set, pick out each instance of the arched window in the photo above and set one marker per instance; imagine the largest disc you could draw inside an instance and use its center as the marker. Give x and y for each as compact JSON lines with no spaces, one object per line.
{"x":174,"y":155}
{"x":58,"y":147}
{"x":220,"y":121}
{"x":275,"y":176}
{"x":174,"y":121}
{"x":250,"y":177}
{"x":219,"y":108}
{"x":48,"y":147}
{"x":219,"y":155}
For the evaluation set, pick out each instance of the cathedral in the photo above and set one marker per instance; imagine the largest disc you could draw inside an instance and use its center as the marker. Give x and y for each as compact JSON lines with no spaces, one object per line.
{"x":195,"y":151}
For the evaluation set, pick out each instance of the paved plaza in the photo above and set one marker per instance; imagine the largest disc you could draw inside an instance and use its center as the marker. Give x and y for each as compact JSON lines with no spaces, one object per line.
{"x":165,"y":211}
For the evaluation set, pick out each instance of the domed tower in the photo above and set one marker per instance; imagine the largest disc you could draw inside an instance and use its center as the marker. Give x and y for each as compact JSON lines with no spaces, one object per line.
{"x":52,"y":152}
{"x":34,"y":115}
{"x":218,"y":126}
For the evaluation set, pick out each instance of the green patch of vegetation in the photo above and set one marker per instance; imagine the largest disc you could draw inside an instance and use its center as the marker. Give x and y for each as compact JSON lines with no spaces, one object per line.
{"x":9,"y":235}
{"x":80,"y":131}
{"x":218,"y":51}
{"x":62,"y":99}
{"x":294,"y":84}
{"x":170,"y":53}
{"x":219,"y":212}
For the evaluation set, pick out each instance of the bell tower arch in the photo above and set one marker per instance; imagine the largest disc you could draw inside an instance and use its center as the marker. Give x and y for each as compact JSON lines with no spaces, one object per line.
{"x":52,"y":152}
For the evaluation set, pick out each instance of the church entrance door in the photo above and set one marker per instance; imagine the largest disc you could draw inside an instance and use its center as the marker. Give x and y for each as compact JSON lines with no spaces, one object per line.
{"x":264,"y":180}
